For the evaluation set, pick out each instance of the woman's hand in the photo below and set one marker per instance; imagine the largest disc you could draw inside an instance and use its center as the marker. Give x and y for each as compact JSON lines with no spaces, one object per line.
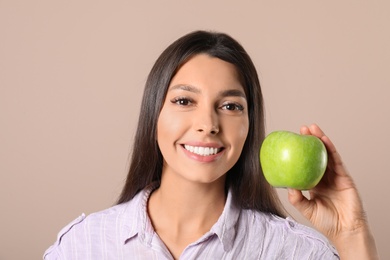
{"x":335,"y":207}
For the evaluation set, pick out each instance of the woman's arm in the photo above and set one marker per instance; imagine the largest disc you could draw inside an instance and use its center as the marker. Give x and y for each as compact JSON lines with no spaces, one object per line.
{"x":335,"y":207}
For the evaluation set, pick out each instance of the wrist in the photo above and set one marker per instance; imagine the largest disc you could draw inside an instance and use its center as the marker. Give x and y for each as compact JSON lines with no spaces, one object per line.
{"x":356,"y":244}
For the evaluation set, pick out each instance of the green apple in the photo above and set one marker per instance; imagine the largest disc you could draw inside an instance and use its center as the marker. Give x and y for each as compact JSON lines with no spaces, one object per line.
{"x":293,"y":160}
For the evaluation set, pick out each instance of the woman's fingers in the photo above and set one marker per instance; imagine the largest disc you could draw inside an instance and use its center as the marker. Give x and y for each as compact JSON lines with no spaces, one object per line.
{"x":316,"y":130}
{"x":300,"y":202}
{"x":313,"y":129}
{"x":333,"y":155}
{"x":305,"y":130}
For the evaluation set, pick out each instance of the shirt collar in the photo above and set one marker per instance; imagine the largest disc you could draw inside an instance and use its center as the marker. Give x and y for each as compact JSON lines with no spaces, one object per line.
{"x":135,"y":217}
{"x":136,"y":220}
{"x":225,"y":228}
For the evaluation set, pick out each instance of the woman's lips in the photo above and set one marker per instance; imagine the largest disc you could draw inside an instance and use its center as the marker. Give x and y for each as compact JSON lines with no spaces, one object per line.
{"x":203,"y":153}
{"x":202,"y":150}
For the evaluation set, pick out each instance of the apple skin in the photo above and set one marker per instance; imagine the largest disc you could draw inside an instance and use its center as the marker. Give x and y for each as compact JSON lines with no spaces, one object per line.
{"x":291,"y":160}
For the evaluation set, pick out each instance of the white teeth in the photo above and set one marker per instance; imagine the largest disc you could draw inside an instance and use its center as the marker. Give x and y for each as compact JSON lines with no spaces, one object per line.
{"x":204,"y":151}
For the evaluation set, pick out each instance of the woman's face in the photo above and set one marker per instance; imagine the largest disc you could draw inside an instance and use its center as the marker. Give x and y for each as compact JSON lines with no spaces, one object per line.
{"x":203,"y":123}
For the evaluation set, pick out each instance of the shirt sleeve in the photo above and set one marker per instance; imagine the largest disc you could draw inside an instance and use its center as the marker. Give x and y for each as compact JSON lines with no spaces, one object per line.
{"x":54,"y":251}
{"x":306,"y":243}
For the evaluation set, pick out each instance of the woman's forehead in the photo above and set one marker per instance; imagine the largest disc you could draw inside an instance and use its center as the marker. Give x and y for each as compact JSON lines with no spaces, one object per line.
{"x":205,"y":69}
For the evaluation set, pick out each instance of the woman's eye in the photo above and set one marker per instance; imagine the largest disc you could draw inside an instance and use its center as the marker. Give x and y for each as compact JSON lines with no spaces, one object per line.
{"x":182,"y":101}
{"x":232,"y":107}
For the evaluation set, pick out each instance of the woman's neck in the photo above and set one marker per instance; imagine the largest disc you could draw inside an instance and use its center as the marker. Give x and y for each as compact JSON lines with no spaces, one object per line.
{"x":182,"y":211}
{"x":185,"y":202}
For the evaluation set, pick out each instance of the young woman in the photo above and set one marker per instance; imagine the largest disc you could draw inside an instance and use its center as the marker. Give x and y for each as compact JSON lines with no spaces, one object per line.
{"x":195,"y":189}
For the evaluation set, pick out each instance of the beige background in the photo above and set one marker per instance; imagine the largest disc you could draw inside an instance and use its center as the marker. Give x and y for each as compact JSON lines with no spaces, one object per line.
{"x":72,"y":74}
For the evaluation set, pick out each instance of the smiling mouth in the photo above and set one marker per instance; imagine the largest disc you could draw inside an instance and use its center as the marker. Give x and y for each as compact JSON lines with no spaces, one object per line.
{"x":203,"y":151}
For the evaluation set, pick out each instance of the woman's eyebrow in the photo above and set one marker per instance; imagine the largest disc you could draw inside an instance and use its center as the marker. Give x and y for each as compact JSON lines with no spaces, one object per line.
{"x":232,"y":93}
{"x":186,"y":88}
{"x":224,"y":93}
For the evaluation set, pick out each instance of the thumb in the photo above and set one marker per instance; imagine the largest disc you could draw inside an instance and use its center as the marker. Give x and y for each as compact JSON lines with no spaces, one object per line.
{"x":300,"y":202}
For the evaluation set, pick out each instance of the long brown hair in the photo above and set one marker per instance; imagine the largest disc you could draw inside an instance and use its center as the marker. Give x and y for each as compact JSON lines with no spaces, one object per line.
{"x":249,"y":187}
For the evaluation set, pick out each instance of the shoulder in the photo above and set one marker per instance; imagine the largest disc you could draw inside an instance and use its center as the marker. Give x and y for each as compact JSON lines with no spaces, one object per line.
{"x":52,"y":251}
{"x":86,"y":231}
{"x":285,"y":235}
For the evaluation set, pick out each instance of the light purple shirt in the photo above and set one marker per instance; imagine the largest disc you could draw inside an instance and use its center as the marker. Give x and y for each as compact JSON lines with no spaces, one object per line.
{"x":125,"y":232}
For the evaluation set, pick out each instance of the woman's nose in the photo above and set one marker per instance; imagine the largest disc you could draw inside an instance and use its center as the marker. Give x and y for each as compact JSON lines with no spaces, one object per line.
{"x":212,"y":129}
{"x":207,"y":122}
